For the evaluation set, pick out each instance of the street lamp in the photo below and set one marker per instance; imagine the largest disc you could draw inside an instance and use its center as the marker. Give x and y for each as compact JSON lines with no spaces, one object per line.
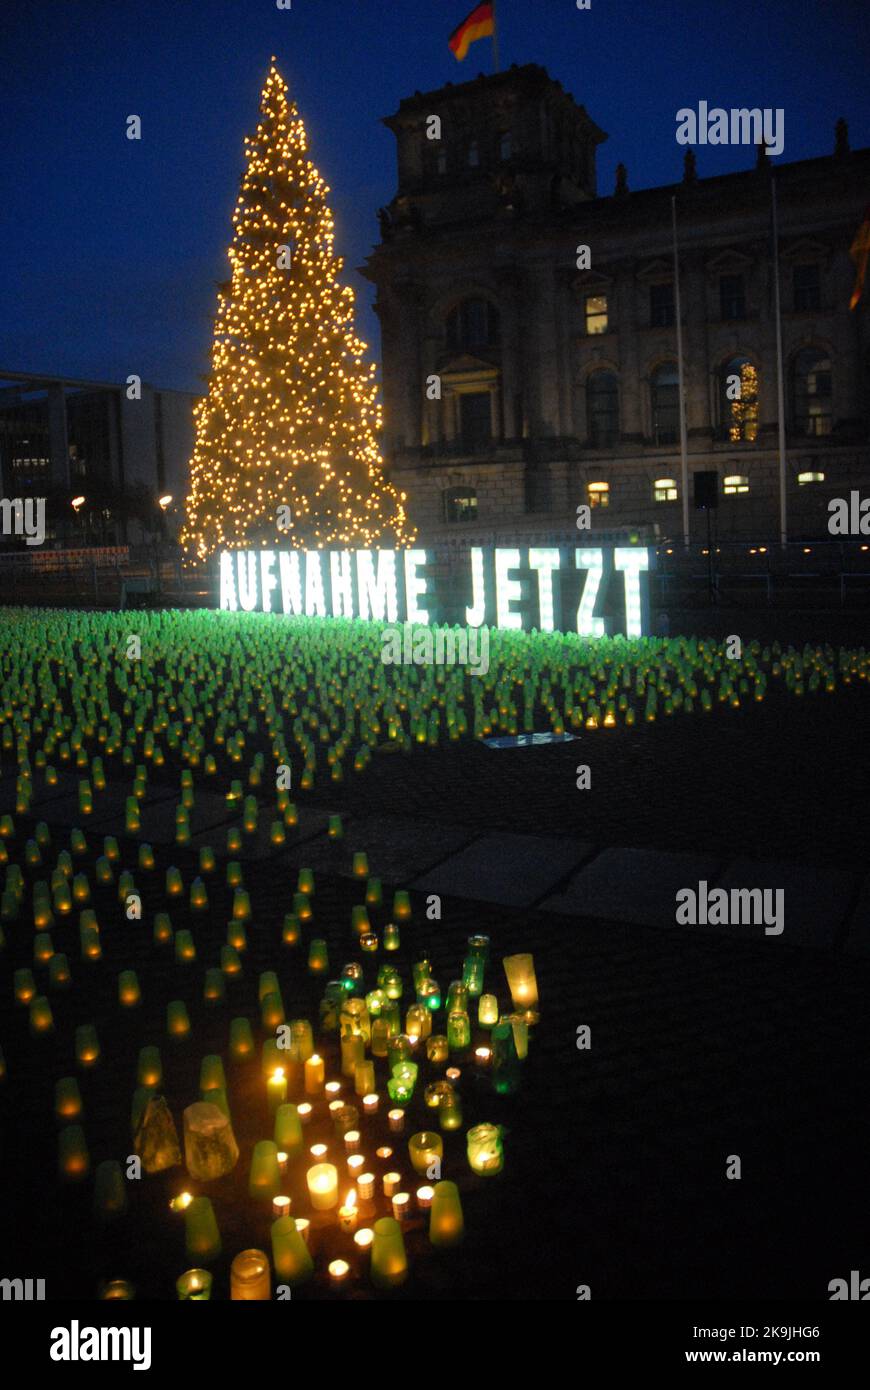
{"x":76,"y":503}
{"x":165,"y":500}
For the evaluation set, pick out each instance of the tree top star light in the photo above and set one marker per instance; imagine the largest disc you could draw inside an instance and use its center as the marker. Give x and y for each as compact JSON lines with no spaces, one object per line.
{"x":286,"y":439}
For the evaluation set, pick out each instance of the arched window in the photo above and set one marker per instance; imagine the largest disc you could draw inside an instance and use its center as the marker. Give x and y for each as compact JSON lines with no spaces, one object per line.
{"x":665,"y":404}
{"x":473,"y":324}
{"x":811,"y":392}
{"x":505,"y":146}
{"x":460,"y":504}
{"x":473,"y":154}
{"x":602,"y":409}
{"x":738,"y":400}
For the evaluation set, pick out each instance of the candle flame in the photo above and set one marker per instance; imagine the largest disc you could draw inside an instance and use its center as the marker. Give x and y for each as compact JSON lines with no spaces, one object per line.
{"x":350,"y":1202}
{"x":278,"y":1074}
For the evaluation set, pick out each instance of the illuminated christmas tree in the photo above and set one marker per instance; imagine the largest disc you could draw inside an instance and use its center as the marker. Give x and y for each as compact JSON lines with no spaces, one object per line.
{"x":286,"y":449}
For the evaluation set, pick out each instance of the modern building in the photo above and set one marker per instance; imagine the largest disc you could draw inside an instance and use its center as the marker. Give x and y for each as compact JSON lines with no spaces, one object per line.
{"x":115,"y":446}
{"x":524,"y":375}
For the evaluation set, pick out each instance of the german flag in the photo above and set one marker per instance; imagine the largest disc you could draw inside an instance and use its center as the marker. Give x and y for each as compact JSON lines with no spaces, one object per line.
{"x":480,"y":24}
{"x":860,"y":252}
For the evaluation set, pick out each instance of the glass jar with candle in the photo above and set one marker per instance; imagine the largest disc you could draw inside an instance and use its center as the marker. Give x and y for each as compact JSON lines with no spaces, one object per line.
{"x":389,"y":1262}
{"x":487,"y":1011}
{"x":450,"y":1111}
{"x":194,"y":1286}
{"x":391,"y":936}
{"x":355,"y":1020}
{"x":301,"y":1039}
{"x":458,"y":1030}
{"x":399,"y":1049}
{"x":485,"y":1150}
{"x":380,"y":1037}
{"x":322,"y":1182}
{"x":426,"y":1150}
{"x":402,"y":1082}
{"x":429,"y":994}
{"x":457,"y":996}
{"x":418,"y":1022}
{"x":421,"y":970}
{"x":249,"y":1277}
{"x":375,"y":1001}
{"x":436,"y":1048}
{"x":390,"y":981}
{"x":523,"y":984}
{"x":318,"y":957}
{"x":435,"y":1092}
{"x":479,"y":946}
{"x":472,"y":975}
{"x":446,"y":1222}
{"x":290,"y":1254}
{"x":364,"y":1078}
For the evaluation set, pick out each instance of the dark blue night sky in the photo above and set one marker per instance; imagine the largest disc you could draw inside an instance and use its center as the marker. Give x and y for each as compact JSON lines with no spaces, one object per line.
{"x":110,"y":249}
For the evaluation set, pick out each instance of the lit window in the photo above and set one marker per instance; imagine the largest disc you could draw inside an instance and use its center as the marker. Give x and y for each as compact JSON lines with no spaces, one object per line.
{"x":665,"y":490}
{"x":596,"y":313}
{"x":598,"y":494}
{"x":460,"y":504}
{"x":804,"y":478}
{"x":734,"y":483}
{"x":739,"y":400}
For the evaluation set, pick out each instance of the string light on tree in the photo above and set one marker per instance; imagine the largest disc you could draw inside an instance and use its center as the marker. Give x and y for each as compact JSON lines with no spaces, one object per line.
{"x":289,"y":426}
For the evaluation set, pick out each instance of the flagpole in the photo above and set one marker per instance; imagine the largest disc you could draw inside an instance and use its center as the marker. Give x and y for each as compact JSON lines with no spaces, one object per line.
{"x":495,"y":61}
{"x":684,"y":450}
{"x":780,"y":388}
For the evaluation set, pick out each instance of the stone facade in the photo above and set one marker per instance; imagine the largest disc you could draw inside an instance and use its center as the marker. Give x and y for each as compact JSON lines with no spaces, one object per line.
{"x":523,"y":377}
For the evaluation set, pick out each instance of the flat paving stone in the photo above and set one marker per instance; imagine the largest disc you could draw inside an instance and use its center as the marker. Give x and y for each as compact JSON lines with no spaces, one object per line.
{"x":815,"y":904}
{"x":512,"y":870}
{"x":632,"y":885}
{"x":857,"y":940}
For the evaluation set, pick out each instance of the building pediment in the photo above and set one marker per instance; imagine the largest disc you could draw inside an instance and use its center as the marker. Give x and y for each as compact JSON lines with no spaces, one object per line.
{"x":805,"y":249}
{"x":591,"y":282}
{"x":659,"y":269}
{"x":466,"y":365}
{"x":729,"y":262}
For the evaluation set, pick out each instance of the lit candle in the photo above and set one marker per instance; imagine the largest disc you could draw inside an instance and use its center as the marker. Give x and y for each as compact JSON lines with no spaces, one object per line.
{"x":276,"y":1088}
{"x":304,"y":1112}
{"x":352,"y":1053}
{"x":483,"y":1056}
{"x":354,"y":1163}
{"x":181,"y":1202}
{"x":332,"y":1089}
{"x":339,"y":1271}
{"x":425,"y":1151}
{"x":391,"y":1183}
{"x":364,"y":1078}
{"x":280,"y":1207}
{"x":396,"y":1120}
{"x":391,"y":937}
{"x":485,"y":1152}
{"x":249,"y":1277}
{"x":363,"y":1238}
{"x":318,"y":1152}
{"x":322,"y":1182}
{"x":348,"y":1214}
{"x":283,"y":1160}
{"x":303,"y":1226}
{"x":487,"y":1010}
{"x":384,"y":1154}
{"x":366,"y":1186}
{"x":401,"y":1205}
{"x":315,"y":1075}
{"x":436,"y":1048}
{"x":424,"y":1197}
{"x":371,"y":1103}
{"x":453,"y":1074}
{"x":194,"y":1286}
{"x":523,"y":984}
{"x":352,"y":1141}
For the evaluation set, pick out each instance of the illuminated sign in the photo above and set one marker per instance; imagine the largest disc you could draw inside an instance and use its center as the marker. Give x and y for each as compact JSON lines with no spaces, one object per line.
{"x":592,"y":590}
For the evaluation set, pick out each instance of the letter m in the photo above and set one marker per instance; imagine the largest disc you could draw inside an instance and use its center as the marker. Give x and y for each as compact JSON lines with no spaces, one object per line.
{"x":748,"y":902}
{"x":11,"y":1288}
{"x":741,"y":119}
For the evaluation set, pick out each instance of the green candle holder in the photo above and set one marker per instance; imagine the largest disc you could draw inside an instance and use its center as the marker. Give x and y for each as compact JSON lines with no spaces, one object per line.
{"x":457,"y":996}
{"x":389,"y":1262}
{"x":360,"y":866}
{"x":305,"y":882}
{"x":211,"y":1073}
{"x":110,"y":1196}
{"x":472,"y":975}
{"x":290,"y":1255}
{"x":288,"y":1131}
{"x":41,"y":1016}
{"x":265,"y":1176}
{"x":318,"y":957}
{"x":162,"y":929}
{"x":374,"y":893}
{"x":230,"y":961}
{"x":214,"y":989}
{"x":149,"y":1071}
{"x":458,"y":1031}
{"x":207,"y":861}
{"x":73,"y":1159}
{"x":402,"y":1082}
{"x":290,"y":931}
{"x":391,"y":937}
{"x":446,"y":1222}
{"x":129,"y":993}
{"x":67,"y":1099}
{"x":487,"y":1011}
{"x":485,"y":1150}
{"x":302,"y":907}
{"x":194,"y":1286}
{"x":177,"y":1019}
{"x":185,"y":946}
{"x":241,"y":905}
{"x":336,"y":829}
{"x":201,"y":1234}
{"x":87,"y":1045}
{"x":401,"y":906}
{"x":426,"y":1152}
{"x":450,"y":1112}
{"x":437,"y":1048}
{"x":241,"y":1040}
